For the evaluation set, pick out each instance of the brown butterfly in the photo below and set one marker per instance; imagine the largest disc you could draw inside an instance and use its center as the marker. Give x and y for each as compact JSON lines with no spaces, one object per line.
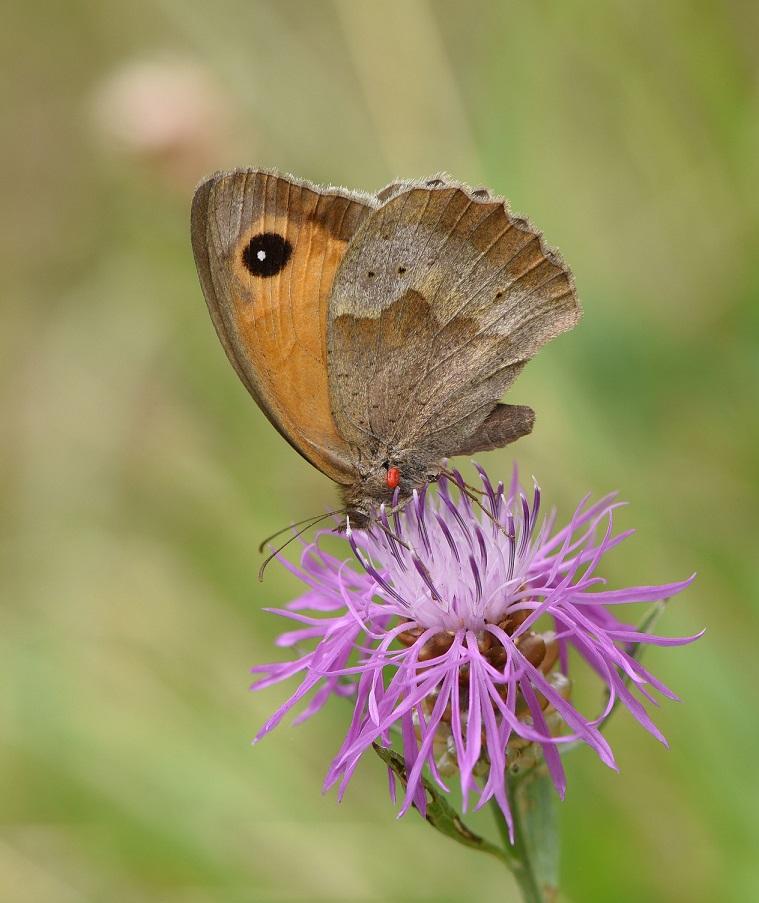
{"x":378,"y":332}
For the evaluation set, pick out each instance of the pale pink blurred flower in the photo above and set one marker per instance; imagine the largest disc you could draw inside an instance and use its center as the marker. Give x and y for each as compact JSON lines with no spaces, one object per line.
{"x":170,"y":114}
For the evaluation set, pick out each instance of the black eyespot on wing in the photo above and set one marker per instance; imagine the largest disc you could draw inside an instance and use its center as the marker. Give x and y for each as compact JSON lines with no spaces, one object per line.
{"x":266,"y":254}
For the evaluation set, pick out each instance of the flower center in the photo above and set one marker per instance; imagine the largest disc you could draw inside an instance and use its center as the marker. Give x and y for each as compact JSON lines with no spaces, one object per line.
{"x":540,"y":649}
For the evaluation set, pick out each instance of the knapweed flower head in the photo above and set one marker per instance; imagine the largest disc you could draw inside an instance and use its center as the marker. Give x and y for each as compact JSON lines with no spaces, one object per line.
{"x":450,"y":628}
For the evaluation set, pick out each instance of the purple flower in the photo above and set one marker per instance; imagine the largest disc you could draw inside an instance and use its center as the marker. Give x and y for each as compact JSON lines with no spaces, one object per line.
{"x":453,"y":637}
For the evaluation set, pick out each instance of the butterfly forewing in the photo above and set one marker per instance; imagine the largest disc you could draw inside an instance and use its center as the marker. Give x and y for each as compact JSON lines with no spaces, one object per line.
{"x":267,"y":248}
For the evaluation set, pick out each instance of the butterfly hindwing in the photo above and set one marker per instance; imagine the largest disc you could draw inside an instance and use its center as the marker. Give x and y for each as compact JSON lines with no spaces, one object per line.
{"x":440,"y":300}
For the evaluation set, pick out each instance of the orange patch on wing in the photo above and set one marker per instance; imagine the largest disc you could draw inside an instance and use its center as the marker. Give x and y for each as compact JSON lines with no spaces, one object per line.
{"x":281,"y":319}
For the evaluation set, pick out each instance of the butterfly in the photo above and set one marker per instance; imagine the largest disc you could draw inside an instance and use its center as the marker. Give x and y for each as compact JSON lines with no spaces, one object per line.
{"x":378,"y":333}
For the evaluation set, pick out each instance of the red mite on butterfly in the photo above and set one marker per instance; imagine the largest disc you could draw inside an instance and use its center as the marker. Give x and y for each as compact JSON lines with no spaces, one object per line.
{"x":393,"y":477}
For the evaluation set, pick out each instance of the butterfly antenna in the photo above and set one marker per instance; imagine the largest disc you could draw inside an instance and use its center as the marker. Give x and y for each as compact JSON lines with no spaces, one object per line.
{"x":471,"y":493}
{"x":314,"y":519}
{"x":312,"y":522}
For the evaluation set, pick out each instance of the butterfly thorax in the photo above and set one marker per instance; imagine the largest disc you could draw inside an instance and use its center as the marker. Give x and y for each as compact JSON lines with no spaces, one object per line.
{"x":391,"y":480}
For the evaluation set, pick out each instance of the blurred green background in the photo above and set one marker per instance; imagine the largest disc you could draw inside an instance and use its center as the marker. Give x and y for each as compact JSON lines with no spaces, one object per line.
{"x":139,"y":476}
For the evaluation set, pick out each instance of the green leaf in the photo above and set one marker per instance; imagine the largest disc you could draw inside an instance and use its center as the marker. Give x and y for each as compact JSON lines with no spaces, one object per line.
{"x":443,"y":817}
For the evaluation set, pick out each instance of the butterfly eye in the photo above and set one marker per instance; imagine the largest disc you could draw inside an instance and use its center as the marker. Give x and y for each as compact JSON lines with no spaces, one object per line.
{"x":266,"y":254}
{"x":393,"y":477}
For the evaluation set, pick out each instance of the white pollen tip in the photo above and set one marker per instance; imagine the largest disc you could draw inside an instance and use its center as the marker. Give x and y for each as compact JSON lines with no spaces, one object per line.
{"x":348,"y":530}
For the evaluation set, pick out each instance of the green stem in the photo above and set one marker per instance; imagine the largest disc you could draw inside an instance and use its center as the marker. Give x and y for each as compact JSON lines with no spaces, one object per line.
{"x":522,"y":864}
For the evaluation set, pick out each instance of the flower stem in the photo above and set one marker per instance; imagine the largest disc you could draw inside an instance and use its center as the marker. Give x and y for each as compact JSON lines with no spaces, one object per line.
{"x":524,"y":858}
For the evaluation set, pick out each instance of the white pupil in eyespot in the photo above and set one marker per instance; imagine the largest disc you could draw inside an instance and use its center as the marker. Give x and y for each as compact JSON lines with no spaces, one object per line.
{"x":261,"y":255}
